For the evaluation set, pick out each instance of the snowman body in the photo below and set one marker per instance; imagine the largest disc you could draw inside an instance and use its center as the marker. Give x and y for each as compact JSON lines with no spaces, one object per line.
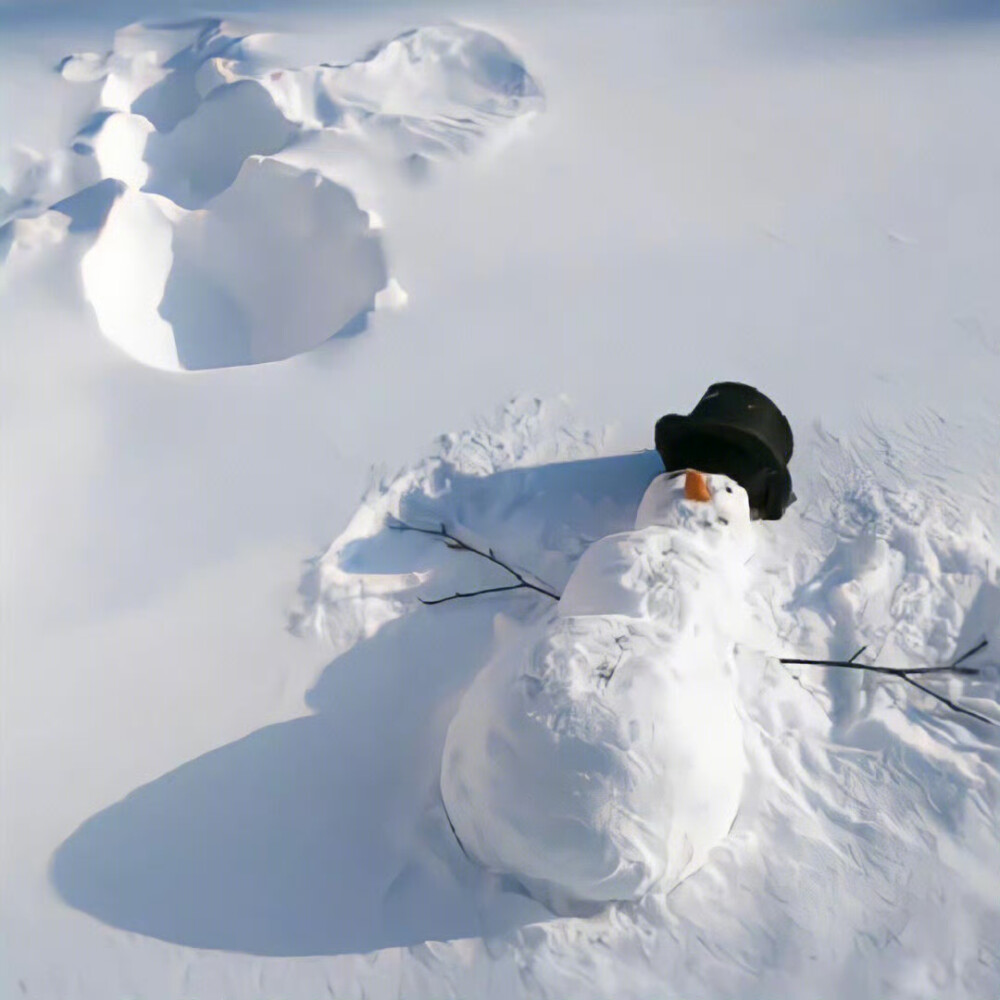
{"x":600,"y":752}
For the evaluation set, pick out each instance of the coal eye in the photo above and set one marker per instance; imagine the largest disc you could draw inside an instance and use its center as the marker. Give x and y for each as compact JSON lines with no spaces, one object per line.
{"x":729,"y":489}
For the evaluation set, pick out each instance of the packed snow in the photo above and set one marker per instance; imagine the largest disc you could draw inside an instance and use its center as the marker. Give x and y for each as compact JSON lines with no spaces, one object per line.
{"x":327,"y":274}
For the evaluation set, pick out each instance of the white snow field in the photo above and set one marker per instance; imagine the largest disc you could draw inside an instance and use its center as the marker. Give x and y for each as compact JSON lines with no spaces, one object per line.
{"x":277,"y":284}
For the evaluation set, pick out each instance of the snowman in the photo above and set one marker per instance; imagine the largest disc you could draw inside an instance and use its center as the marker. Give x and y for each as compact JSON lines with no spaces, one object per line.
{"x":599,"y":752}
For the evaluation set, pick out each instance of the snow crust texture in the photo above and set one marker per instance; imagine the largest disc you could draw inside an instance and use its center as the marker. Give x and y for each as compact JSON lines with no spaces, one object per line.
{"x":602,"y":753}
{"x":219,"y":186}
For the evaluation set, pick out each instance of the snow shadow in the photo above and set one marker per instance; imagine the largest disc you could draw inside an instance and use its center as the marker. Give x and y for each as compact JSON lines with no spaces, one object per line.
{"x":203,"y":154}
{"x":88,"y":209}
{"x":325,"y":835}
{"x":318,"y":836}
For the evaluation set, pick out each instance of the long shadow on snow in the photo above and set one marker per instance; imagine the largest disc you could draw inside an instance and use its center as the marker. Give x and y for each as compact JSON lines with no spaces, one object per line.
{"x":324,"y":835}
{"x":288,"y":842}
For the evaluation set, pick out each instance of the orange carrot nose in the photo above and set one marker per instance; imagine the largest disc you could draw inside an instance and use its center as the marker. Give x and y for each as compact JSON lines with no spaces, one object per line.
{"x":695,"y":487}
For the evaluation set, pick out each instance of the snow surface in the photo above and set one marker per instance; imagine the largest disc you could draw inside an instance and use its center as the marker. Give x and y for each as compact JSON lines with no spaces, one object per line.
{"x":199,"y":801}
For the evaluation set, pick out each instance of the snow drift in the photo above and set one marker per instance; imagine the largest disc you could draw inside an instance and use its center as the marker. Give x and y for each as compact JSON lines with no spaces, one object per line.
{"x":236,"y":236}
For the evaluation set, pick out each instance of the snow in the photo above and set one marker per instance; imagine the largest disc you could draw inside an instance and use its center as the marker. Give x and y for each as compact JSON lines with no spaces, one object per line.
{"x":282,"y":258}
{"x":222,"y":732}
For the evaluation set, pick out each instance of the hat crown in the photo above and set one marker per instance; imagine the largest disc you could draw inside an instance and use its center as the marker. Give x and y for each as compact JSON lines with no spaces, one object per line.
{"x":739,"y":405}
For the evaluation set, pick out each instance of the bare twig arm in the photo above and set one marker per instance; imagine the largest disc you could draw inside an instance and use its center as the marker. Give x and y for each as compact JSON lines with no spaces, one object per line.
{"x":472,"y":593}
{"x":456,"y":543}
{"x":907,"y":675}
{"x":947,"y":701}
{"x":897,"y":671}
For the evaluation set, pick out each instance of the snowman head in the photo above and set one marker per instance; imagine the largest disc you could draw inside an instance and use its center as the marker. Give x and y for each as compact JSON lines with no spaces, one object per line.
{"x":697,"y":502}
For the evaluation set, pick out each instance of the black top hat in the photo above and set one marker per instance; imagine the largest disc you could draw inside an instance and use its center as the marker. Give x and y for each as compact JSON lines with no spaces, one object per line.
{"x":736,"y":430}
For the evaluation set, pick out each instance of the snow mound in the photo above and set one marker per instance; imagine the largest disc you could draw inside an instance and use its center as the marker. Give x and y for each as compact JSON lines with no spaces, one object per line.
{"x":151,"y":69}
{"x":202,"y":156}
{"x":431,"y":92}
{"x":281,"y":261}
{"x":211,"y":257}
{"x":208,"y":97}
{"x":602,"y":754}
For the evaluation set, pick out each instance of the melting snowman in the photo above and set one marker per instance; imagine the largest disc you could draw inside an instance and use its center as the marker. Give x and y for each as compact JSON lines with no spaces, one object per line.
{"x":600,"y":752}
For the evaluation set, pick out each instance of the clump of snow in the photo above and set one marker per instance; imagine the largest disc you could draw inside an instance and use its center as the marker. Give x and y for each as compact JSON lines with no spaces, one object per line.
{"x":117,"y":142}
{"x":151,"y":69}
{"x":601,"y":754}
{"x":124,"y":276}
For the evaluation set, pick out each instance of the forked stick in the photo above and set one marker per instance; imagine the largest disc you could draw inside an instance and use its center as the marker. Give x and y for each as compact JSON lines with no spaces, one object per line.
{"x":906,"y":674}
{"x":456,"y":543}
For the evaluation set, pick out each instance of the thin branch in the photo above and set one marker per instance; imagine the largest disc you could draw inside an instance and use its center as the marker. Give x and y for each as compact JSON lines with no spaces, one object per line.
{"x":454,"y":542}
{"x":875,"y":669}
{"x":906,"y":674}
{"x":947,"y":701}
{"x":473,"y":593}
{"x":975,"y":649}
